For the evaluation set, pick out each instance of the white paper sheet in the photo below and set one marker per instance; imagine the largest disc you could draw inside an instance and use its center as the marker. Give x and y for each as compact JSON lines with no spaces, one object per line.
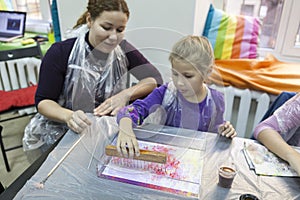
{"x":180,"y":175}
{"x":265,"y":162}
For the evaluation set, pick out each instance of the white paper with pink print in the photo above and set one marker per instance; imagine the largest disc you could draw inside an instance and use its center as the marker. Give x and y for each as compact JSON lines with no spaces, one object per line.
{"x":180,"y":175}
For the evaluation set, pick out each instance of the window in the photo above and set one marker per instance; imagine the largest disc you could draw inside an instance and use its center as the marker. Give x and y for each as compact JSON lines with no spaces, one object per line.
{"x":32,"y":7}
{"x":38,"y":13}
{"x":297,"y":42}
{"x":289,"y":29}
{"x":280,"y":32}
{"x":36,"y":9}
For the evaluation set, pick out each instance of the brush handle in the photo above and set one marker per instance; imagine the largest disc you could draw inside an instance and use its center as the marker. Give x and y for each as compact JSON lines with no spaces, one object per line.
{"x":61,"y":160}
{"x":145,"y":155}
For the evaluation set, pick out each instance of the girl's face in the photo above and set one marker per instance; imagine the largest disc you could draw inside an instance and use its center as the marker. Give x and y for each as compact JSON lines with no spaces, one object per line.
{"x":107,"y":30}
{"x":188,"y":81}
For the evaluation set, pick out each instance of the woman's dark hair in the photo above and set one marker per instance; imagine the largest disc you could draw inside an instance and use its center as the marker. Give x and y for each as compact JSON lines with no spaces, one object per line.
{"x":96,"y":7}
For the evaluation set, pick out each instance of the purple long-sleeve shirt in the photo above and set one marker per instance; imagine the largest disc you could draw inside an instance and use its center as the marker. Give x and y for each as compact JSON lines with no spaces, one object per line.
{"x":204,"y":116}
{"x":55,"y":63}
{"x":285,"y":120}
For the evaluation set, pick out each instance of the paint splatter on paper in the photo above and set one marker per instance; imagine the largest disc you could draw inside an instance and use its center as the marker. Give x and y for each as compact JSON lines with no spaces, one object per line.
{"x":265,"y":162}
{"x":180,"y":175}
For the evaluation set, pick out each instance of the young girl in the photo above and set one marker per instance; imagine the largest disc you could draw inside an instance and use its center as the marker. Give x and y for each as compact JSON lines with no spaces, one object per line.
{"x":186,"y":101}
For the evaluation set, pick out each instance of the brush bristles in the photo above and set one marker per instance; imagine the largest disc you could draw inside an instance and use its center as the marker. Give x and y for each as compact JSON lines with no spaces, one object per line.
{"x":39,"y":185}
{"x":138,"y":164}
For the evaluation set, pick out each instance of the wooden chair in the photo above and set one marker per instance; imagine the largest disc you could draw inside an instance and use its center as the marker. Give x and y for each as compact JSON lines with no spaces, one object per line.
{"x":19,"y":68}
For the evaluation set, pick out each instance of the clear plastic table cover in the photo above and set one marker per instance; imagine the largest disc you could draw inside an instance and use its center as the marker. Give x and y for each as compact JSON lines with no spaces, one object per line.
{"x":76,"y":177}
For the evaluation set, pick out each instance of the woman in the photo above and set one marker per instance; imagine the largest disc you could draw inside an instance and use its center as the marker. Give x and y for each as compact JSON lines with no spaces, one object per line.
{"x":88,"y":74}
{"x":281,"y":131}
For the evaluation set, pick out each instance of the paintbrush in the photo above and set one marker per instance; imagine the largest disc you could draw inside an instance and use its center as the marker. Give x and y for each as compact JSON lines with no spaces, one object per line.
{"x":145,"y":155}
{"x":41,"y":184}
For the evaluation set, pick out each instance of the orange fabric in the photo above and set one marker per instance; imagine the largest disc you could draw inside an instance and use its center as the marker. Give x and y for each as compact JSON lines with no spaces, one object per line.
{"x":238,"y":38}
{"x":268,"y":75}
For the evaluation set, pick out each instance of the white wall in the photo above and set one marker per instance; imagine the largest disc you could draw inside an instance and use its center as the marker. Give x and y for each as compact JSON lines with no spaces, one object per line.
{"x":45,"y":10}
{"x":153,"y":27}
{"x":68,"y":12}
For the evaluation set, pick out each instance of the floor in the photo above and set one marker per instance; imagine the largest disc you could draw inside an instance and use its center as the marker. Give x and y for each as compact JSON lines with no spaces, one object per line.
{"x":12,"y":136}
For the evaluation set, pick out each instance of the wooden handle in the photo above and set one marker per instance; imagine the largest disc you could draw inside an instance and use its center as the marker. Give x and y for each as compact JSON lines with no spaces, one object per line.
{"x":145,"y":155}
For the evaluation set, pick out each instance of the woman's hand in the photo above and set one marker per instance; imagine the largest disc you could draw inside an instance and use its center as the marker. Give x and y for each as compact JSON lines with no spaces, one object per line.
{"x":112,"y":105}
{"x":127,"y":144}
{"x":227,"y":130}
{"x":78,"y":121}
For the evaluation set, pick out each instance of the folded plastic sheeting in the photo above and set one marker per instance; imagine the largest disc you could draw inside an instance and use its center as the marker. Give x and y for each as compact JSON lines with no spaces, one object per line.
{"x":76,"y":177}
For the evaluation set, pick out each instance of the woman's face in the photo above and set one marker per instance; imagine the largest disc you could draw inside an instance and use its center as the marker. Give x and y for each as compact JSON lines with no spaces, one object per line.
{"x":107,"y":30}
{"x":188,"y":80}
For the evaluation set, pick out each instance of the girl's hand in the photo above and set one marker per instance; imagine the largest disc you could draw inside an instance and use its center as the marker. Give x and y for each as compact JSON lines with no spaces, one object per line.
{"x":112,"y":105}
{"x":227,"y":130}
{"x":127,"y":144}
{"x":78,"y":121}
{"x":294,"y":161}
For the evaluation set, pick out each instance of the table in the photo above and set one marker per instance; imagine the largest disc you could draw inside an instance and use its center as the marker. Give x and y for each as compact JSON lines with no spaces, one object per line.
{"x":76,"y":178}
{"x":16,"y":44}
{"x":12,"y":190}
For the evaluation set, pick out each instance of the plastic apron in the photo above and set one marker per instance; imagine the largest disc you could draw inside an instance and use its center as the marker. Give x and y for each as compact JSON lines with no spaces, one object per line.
{"x":173,"y":113}
{"x":89,"y":81}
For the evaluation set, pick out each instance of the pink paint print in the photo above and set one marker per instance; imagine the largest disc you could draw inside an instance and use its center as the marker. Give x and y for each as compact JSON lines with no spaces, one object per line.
{"x":180,"y":175}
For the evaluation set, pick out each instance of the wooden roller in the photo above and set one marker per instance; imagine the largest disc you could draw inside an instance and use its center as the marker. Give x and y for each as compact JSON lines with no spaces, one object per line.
{"x":145,"y":155}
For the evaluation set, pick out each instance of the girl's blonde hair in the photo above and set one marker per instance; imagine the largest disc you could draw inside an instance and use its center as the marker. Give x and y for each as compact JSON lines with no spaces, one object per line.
{"x":195,"y":50}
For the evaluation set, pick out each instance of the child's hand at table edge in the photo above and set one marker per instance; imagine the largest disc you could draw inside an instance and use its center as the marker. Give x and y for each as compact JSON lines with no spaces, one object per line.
{"x":227,"y":130}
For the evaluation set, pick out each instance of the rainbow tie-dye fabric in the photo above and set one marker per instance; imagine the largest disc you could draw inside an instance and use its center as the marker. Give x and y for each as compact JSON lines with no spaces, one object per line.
{"x":232,"y":36}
